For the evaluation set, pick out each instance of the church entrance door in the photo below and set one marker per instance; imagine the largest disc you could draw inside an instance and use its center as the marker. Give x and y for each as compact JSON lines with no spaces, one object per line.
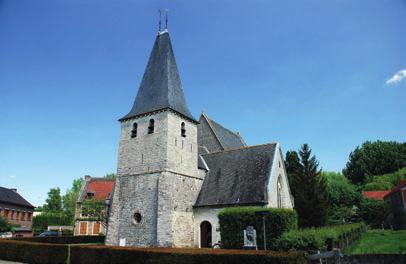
{"x":205,"y":234}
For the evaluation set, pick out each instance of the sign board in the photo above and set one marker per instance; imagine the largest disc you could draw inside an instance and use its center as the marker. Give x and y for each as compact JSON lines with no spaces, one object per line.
{"x":250,"y":238}
{"x":122,"y":242}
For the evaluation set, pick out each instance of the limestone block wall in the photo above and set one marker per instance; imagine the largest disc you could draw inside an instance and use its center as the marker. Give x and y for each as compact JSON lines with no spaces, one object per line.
{"x":278,"y":169}
{"x":210,"y":215}
{"x":157,"y":176}
{"x":181,"y":151}
{"x":138,"y":194}
{"x":176,"y":197}
{"x":145,"y":152}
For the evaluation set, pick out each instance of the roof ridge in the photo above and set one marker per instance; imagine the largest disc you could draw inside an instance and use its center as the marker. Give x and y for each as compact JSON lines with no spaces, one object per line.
{"x":212,"y":129}
{"x":241,"y":148}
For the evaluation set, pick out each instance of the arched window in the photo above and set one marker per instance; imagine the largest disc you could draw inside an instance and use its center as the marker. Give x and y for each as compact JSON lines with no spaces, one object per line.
{"x":134,"y":130}
{"x":183,"y":129}
{"x":279,"y":191}
{"x":151,"y":126}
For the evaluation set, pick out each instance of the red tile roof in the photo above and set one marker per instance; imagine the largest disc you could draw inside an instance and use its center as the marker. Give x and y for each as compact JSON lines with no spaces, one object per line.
{"x":102,"y":188}
{"x":401,"y":185}
{"x":375,"y":195}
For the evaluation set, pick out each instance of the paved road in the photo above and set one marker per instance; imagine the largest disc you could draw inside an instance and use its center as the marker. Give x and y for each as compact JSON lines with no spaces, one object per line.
{"x":9,"y":262}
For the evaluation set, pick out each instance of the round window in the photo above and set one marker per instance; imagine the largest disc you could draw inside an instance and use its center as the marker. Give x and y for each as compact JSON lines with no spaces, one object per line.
{"x":137,"y":218}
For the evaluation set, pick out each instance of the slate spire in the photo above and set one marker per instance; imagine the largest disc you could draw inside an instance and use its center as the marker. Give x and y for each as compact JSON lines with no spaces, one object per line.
{"x":160,"y":87}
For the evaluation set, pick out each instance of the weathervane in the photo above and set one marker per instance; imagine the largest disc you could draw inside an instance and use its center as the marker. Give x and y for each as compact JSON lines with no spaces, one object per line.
{"x":160,"y":19}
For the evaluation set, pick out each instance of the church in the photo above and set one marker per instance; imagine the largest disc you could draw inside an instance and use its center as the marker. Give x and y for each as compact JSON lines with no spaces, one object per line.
{"x":176,"y":173}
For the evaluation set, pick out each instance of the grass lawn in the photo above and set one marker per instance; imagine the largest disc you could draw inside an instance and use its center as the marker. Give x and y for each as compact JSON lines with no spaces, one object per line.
{"x":379,"y":241}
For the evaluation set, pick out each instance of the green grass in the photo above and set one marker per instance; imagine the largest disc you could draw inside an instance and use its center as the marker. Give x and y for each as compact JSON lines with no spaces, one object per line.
{"x":379,"y":241}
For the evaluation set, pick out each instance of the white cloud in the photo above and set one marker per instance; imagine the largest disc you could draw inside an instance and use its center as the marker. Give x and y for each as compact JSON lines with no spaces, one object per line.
{"x":400,"y":75}
{"x":12,"y":176}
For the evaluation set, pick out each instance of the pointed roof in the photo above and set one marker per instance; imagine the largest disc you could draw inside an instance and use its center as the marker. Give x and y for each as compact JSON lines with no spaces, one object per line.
{"x":215,"y":137}
{"x":160,"y":87}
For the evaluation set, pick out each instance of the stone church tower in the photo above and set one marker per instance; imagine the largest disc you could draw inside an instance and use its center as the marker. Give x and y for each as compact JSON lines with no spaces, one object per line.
{"x":157,"y":177}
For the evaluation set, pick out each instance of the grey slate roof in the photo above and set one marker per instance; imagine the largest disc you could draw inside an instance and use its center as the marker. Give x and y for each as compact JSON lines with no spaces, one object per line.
{"x":237,"y":177}
{"x":228,"y":139}
{"x":214,"y":137}
{"x":12,"y":197}
{"x":160,"y":87}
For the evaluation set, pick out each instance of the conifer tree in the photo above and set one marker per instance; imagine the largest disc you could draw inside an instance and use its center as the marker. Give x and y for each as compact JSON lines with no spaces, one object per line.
{"x":308,"y":186}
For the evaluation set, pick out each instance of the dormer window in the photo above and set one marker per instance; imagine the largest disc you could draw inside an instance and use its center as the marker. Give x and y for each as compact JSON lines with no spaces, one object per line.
{"x":134,"y":130}
{"x":151,"y":126}
{"x":90,"y":195}
{"x":183,"y":129}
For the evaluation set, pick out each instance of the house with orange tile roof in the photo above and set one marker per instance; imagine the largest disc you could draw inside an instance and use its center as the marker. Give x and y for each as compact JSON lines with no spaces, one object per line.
{"x":97,"y":189}
{"x":375,"y":195}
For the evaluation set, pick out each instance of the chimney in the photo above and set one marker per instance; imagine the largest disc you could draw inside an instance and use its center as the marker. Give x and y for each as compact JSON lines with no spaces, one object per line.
{"x":13,"y":189}
{"x":87,"y":177}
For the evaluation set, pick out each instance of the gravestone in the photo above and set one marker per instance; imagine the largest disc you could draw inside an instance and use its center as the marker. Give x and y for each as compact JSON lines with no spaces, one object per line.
{"x":250,"y":238}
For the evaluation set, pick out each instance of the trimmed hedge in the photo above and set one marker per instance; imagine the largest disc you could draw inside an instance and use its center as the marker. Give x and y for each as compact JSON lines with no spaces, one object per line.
{"x":29,"y":252}
{"x":234,"y":220}
{"x":116,"y":255}
{"x":316,"y":238}
{"x":46,"y":253}
{"x":64,"y":239}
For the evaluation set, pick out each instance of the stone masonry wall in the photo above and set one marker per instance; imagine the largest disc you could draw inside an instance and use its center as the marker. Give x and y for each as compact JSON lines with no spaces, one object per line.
{"x":157,"y":176}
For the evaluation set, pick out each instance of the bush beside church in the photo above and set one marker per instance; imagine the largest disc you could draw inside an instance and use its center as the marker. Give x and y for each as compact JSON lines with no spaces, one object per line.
{"x":234,"y":220}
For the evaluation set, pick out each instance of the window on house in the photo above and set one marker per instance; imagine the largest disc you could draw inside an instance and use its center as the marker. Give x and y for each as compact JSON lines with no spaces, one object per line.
{"x":151,"y":126}
{"x":183,"y":129}
{"x":279,"y":192}
{"x":134,"y":130}
{"x":90,"y":195}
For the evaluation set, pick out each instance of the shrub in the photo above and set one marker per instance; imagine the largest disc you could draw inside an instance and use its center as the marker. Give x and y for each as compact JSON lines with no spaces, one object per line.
{"x":29,"y":252}
{"x":64,"y":239}
{"x":316,"y":238}
{"x":373,"y":212}
{"x":5,"y":226}
{"x":42,"y":221}
{"x":234,"y":220}
{"x":107,"y":255}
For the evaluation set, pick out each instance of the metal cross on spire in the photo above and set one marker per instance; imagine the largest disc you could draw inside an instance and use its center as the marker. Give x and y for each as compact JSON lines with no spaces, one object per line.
{"x":160,"y":19}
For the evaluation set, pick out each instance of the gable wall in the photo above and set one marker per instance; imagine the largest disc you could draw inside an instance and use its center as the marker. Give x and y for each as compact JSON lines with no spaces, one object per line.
{"x":278,"y":168}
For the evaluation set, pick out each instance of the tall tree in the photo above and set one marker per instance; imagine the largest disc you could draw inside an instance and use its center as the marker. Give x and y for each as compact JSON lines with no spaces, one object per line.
{"x":309,"y":188}
{"x":70,"y":197}
{"x":375,"y":158}
{"x":54,"y":201}
{"x":292,"y":165}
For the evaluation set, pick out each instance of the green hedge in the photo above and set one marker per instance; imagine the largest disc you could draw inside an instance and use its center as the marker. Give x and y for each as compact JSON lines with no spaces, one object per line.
{"x":234,"y":220}
{"x":45,"y":253}
{"x":116,"y":255}
{"x":29,"y":252}
{"x":316,"y":238}
{"x":64,"y":239}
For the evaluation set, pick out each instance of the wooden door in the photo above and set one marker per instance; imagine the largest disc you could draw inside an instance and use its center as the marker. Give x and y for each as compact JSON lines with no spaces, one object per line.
{"x":96,"y":228}
{"x":83,"y":228}
{"x":205,"y":234}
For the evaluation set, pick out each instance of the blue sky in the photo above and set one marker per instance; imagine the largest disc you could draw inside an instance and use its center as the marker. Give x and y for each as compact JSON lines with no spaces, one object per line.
{"x":290,"y":71}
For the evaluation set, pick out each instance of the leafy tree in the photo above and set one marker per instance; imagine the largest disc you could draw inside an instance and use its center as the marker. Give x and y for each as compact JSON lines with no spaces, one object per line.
{"x":5,"y":226}
{"x":70,"y":197}
{"x":375,"y":158}
{"x":95,"y":209}
{"x":341,"y":191}
{"x":309,"y":188}
{"x":386,"y":181}
{"x":110,"y":176}
{"x":54,"y":201}
{"x":373,"y":212}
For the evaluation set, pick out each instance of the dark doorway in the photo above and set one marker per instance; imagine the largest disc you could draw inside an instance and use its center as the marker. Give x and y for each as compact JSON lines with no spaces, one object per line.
{"x":205,"y":234}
